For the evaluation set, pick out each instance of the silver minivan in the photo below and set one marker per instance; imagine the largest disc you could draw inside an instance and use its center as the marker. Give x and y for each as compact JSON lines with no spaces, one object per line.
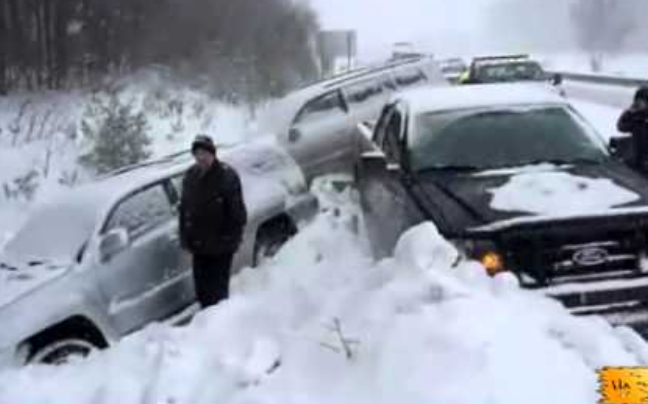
{"x":104,"y":260}
{"x":317,"y":124}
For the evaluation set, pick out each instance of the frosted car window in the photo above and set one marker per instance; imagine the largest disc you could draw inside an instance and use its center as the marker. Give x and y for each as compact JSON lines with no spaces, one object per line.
{"x":142,"y":211}
{"x":363,"y":92}
{"x":325,"y":105}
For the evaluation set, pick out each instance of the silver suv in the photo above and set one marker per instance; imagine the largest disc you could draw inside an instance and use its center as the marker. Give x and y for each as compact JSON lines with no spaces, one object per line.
{"x":104,"y":260}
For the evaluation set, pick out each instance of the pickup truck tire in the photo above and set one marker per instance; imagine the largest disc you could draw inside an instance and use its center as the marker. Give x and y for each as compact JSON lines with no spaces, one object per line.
{"x":61,"y":351}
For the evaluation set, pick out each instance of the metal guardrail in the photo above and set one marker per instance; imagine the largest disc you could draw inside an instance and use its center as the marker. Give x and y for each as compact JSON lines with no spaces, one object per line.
{"x":603,"y":79}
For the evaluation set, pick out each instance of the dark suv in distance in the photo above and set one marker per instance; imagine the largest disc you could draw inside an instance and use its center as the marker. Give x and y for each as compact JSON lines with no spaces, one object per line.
{"x":519,"y":181}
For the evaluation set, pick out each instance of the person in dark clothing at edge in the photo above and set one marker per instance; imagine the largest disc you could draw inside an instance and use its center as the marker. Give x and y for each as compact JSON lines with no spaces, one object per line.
{"x":635,"y":121}
{"x":212,"y":221}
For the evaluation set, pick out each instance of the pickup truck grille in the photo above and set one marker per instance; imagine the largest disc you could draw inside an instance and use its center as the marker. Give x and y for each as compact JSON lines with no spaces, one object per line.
{"x":557,"y":260}
{"x":590,"y":266}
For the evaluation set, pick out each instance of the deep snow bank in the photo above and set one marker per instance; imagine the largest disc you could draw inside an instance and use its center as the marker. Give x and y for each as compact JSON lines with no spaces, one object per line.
{"x":324,"y":324}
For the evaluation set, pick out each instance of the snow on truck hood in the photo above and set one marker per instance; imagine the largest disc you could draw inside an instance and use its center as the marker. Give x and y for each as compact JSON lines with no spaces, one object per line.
{"x":551,"y":193}
{"x":503,"y":198}
{"x":323,"y":323}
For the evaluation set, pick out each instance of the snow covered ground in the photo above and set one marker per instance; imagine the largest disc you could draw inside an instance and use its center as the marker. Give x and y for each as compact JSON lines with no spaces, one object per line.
{"x":322,"y":323}
{"x":627,"y":65}
{"x":41,"y":137}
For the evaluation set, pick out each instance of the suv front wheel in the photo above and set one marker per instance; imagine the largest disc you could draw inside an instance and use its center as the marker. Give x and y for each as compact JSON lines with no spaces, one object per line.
{"x":61,"y":352}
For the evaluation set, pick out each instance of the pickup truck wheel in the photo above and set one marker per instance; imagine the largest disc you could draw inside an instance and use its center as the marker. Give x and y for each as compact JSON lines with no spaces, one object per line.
{"x":61,"y":352}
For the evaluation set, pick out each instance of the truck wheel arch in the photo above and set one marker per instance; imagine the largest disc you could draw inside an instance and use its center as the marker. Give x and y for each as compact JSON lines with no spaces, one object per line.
{"x":76,"y":328}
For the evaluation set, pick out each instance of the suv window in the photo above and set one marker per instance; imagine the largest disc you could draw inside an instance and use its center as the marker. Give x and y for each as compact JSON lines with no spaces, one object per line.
{"x":409,"y":77}
{"x":142,"y":211}
{"x":326,"y":104}
{"x":388,"y":83}
{"x":391,"y":141}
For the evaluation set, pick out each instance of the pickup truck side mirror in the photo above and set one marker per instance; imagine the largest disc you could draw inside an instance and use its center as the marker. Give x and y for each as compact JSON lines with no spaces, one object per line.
{"x":113,"y":243}
{"x":621,"y":147}
{"x":376,"y":160}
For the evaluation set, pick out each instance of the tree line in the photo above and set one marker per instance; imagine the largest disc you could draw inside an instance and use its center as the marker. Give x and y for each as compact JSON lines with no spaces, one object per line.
{"x":239,"y":48}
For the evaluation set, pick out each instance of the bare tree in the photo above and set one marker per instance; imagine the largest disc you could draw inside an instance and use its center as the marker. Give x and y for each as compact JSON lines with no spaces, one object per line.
{"x":244,"y":48}
{"x":602,"y":25}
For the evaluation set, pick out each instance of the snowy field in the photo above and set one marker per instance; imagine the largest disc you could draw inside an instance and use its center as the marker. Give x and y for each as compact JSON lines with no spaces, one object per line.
{"x":322,"y":323}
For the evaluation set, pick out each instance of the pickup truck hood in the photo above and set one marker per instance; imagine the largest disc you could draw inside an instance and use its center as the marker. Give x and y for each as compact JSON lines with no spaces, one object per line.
{"x":18,"y":280}
{"x":543,"y":191}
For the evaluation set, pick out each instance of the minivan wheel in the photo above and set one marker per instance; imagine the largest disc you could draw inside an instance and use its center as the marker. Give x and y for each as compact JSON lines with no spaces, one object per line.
{"x":61,"y":352}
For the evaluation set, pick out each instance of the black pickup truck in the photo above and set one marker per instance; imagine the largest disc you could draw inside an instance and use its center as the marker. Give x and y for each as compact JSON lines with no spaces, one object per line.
{"x":519,"y":180}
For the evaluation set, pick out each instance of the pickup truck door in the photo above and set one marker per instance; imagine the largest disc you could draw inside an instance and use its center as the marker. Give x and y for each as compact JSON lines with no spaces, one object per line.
{"x":382,"y":181}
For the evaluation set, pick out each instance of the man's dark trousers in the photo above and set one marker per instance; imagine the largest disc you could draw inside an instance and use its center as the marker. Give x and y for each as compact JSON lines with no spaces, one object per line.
{"x":211,"y":278}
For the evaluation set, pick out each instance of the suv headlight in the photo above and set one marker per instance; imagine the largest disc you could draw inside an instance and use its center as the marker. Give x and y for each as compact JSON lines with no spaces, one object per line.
{"x":8,"y":358}
{"x":485,"y":252}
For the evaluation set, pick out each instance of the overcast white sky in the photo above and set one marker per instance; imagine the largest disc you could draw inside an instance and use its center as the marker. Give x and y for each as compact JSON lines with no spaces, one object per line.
{"x":440,"y":26}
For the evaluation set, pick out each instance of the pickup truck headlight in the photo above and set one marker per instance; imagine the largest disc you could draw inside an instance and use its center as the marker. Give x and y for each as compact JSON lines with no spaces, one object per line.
{"x":485,"y":252}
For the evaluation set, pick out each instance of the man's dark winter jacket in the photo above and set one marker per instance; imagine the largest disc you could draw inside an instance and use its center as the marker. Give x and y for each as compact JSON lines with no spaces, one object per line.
{"x":212,"y":211}
{"x":636,"y":123}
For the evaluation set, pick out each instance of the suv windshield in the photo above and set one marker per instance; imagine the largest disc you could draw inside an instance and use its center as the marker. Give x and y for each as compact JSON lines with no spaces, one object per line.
{"x":492,"y":138}
{"x":55,"y":233}
{"x":510,"y":72}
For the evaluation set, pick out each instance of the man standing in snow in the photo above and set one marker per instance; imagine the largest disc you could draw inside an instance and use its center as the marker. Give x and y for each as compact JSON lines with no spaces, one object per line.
{"x":212,"y":221}
{"x":635,"y":121}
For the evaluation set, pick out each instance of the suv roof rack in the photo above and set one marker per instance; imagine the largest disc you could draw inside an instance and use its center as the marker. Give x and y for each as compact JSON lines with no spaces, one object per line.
{"x":375,"y":70}
{"x":364,"y":71}
{"x":170,"y":159}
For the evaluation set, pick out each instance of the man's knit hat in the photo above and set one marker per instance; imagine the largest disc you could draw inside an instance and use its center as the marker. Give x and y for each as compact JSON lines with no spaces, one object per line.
{"x":203,"y":142}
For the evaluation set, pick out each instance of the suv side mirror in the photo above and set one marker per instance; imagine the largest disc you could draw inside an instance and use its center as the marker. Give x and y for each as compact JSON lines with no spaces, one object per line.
{"x":112,"y":243}
{"x":557,"y":79}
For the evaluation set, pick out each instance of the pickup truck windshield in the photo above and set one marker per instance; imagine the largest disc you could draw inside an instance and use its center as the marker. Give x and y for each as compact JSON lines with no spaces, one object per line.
{"x":492,"y":138}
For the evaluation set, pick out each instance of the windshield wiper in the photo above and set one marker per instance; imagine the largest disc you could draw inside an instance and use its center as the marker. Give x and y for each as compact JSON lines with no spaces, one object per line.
{"x":576,"y":160}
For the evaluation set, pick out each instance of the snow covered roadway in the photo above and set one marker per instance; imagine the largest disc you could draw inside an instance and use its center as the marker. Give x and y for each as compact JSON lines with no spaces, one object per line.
{"x":322,"y":323}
